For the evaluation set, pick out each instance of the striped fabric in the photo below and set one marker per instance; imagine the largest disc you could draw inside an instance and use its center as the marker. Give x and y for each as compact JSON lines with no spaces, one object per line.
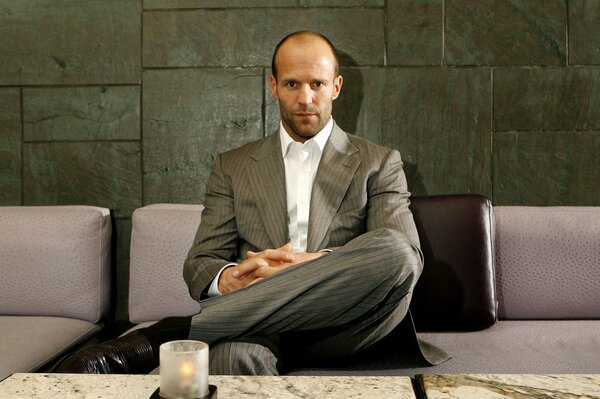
{"x":330,"y":307}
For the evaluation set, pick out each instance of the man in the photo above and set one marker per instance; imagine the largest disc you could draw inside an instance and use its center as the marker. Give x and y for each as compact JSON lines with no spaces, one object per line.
{"x":306,"y":247}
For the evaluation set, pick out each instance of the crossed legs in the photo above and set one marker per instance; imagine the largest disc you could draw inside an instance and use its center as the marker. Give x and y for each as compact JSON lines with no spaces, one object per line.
{"x":330,"y":307}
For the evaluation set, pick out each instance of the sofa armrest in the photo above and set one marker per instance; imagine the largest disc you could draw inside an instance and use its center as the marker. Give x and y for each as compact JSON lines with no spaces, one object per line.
{"x":457,"y":289}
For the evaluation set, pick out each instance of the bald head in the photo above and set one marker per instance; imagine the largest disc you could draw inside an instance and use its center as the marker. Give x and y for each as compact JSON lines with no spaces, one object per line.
{"x":304,"y":38}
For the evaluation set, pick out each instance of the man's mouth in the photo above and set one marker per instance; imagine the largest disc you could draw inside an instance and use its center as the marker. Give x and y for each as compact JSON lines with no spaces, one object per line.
{"x":305,"y":114}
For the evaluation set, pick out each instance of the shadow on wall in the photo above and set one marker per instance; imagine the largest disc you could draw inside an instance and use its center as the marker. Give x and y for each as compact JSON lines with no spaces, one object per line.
{"x":347,"y":110}
{"x":347,"y":107}
{"x":414,"y":179}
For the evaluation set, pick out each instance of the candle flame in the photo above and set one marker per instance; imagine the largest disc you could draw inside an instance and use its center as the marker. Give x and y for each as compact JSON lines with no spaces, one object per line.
{"x":186,"y":369}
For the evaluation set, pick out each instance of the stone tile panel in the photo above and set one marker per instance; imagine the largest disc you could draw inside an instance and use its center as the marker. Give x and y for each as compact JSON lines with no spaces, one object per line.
{"x":189,"y":116}
{"x":360,"y":107}
{"x":547,"y":168}
{"x":505,"y":32}
{"x":82,"y":113}
{"x":414,"y":32}
{"x":584,"y":31}
{"x":83,"y":173}
{"x":68,"y":42}
{"x":10,"y":146}
{"x":546,"y":99}
{"x":247,"y":37}
{"x":448,"y":113}
{"x":175,"y":4}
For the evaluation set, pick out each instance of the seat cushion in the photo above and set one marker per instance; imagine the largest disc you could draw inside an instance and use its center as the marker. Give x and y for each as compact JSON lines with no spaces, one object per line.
{"x":161,"y":237}
{"x":55,"y":261}
{"x":29,"y":342}
{"x":536,"y":346}
{"x":548,"y":262}
{"x":456,"y":290}
{"x":523,"y":346}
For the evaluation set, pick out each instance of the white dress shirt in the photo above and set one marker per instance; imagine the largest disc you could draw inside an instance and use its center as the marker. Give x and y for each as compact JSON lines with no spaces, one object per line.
{"x":301,"y":161}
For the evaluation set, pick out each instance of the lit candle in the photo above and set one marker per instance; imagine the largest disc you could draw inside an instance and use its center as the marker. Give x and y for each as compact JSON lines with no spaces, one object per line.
{"x":184,"y":370}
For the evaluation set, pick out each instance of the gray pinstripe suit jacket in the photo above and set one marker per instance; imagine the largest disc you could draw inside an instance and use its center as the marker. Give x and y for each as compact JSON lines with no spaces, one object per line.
{"x":359,"y":186}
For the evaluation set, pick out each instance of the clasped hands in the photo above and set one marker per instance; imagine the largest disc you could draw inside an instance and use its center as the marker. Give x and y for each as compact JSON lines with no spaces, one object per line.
{"x":260,"y":265}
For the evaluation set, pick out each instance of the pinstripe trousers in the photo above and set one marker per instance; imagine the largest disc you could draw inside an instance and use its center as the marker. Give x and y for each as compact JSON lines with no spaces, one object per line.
{"x":327,"y":308}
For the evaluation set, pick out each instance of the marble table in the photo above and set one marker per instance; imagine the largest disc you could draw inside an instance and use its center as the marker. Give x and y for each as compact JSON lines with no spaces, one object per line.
{"x":88,"y":386}
{"x":496,"y":386}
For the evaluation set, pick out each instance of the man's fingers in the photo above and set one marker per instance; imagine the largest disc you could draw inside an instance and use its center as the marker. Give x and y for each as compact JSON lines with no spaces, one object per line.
{"x":256,"y":280}
{"x":285,"y":248}
{"x":277,"y":254}
{"x":266,"y":271}
{"x":249,"y":266}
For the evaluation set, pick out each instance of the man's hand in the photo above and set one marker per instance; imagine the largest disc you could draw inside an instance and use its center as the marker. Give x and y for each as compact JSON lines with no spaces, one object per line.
{"x":259,"y":265}
{"x":256,"y":266}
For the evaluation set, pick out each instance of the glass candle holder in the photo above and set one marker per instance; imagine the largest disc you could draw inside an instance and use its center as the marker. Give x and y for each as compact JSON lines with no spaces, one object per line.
{"x":184,"y":370}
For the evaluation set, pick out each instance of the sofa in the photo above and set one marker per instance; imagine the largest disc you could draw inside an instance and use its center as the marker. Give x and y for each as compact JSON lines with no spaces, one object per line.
{"x":504,"y":289}
{"x":54,"y":283}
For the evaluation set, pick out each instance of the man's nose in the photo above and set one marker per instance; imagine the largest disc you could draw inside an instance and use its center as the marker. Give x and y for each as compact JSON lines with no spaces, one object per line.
{"x":305,"y":95}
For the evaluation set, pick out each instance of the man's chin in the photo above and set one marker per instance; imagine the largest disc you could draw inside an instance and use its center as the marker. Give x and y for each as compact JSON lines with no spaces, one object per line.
{"x":306,"y":135}
{"x":306,"y":132}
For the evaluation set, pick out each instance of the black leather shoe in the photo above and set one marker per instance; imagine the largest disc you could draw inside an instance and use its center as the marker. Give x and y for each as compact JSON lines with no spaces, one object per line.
{"x":130,"y":354}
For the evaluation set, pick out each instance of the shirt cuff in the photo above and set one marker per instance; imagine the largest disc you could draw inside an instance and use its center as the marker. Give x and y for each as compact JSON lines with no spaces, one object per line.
{"x":213,"y":290}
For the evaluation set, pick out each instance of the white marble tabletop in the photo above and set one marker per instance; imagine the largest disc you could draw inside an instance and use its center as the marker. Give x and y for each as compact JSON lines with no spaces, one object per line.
{"x":496,"y":386}
{"x":88,"y":386}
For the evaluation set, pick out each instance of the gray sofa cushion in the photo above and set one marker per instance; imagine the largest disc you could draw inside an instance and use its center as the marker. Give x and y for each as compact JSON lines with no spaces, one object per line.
{"x":532,"y":346}
{"x":29,"y":342}
{"x":161,"y":237}
{"x":55,"y":261}
{"x":523,"y":346}
{"x":548,"y":262}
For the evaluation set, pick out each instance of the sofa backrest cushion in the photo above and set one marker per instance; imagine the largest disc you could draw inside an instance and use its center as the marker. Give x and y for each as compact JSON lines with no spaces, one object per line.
{"x":55,"y":261}
{"x":161,"y":237}
{"x":456,"y":290}
{"x":548,"y":262}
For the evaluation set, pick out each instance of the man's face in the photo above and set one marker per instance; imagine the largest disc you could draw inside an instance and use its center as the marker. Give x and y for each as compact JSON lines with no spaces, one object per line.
{"x":306,"y":86}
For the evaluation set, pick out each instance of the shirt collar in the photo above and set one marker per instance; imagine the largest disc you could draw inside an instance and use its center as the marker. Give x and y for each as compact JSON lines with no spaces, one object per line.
{"x":320,"y":139}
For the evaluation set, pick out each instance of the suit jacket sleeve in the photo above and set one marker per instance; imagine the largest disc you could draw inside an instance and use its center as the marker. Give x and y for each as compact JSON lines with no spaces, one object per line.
{"x":215,"y":243}
{"x":389,"y":200}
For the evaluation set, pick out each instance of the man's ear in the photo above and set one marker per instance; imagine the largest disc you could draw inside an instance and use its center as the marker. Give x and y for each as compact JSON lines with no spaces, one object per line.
{"x":273,"y":85}
{"x":337,"y":86}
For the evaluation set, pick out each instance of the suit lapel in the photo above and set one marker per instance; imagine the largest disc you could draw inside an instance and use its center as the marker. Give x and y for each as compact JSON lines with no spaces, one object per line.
{"x":337,"y":167}
{"x":267,"y":181}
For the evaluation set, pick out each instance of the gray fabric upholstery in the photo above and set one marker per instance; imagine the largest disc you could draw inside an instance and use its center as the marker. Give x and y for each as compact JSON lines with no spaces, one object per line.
{"x":546,"y":267}
{"x":29,"y":342}
{"x":161,"y":237}
{"x":548,"y":262}
{"x":535,"y":346}
{"x":55,"y":261}
{"x":54,"y":282}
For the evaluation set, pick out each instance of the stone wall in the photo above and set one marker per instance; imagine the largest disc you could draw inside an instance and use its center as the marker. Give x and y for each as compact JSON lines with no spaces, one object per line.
{"x":122,"y":103}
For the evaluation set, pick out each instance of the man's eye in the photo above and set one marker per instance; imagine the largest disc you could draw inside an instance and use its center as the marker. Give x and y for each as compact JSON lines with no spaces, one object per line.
{"x":291,"y":84}
{"x":319,"y":84}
